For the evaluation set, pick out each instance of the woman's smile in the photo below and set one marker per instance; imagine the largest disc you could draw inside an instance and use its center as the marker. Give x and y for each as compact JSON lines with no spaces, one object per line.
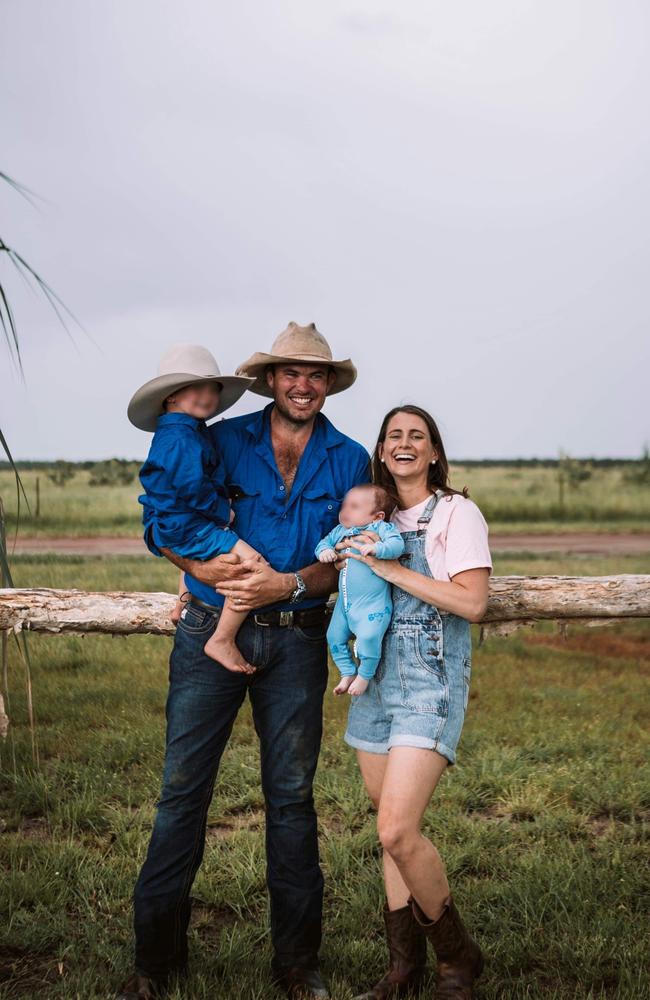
{"x":407,"y":448}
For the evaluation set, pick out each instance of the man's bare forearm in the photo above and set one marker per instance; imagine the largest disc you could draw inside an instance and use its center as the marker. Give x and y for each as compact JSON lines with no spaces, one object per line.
{"x":321,"y":579}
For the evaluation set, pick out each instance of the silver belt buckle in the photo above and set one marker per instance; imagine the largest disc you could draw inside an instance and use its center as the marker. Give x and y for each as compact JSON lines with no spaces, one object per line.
{"x":286,"y":619}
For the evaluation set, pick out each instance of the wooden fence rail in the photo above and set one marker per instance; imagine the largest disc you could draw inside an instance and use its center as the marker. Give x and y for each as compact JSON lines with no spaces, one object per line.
{"x":514,"y":601}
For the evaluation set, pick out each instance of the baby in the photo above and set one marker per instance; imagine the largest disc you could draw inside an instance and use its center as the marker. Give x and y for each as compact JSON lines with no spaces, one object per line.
{"x":185,"y":506}
{"x":364,"y":605}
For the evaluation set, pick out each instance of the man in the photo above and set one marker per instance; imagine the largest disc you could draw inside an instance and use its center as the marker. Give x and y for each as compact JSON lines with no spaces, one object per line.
{"x":287,"y":470}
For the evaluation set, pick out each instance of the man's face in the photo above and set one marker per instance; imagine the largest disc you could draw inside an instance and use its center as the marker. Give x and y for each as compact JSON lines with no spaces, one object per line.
{"x":299,"y":390}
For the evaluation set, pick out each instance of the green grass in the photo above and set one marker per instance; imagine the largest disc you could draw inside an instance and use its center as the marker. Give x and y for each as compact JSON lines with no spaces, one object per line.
{"x":543,"y":823}
{"x":511,"y":499}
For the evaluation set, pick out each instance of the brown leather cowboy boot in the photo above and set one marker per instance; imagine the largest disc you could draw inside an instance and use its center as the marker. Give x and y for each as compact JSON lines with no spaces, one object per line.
{"x":407,"y":947}
{"x":460,"y":961}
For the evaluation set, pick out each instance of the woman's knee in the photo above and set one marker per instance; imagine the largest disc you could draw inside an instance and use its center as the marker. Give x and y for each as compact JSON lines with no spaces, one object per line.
{"x":398,"y":837}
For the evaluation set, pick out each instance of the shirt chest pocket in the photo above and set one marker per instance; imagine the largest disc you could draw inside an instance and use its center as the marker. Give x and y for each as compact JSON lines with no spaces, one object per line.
{"x":246,"y":502}
{"x":321,"y":506}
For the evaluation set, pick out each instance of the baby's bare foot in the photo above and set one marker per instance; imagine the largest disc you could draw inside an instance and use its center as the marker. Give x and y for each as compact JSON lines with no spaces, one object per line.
{"x":226,"y":652}
{"x":344,"y":684}
{"x":358,"y":685}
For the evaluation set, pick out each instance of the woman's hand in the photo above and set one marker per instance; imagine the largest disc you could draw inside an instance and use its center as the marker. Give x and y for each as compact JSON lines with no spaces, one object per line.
{"x":356,"y":541}
{"x":387,"y":569}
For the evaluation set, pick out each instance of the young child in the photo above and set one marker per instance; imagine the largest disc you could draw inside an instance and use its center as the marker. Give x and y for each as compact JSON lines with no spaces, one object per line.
{"x":185,"y":506}
{"x":364,"y":605}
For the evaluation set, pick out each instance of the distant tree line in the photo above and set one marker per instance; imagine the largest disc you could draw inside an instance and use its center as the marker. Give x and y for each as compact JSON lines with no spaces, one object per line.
{"x":511,"y":463}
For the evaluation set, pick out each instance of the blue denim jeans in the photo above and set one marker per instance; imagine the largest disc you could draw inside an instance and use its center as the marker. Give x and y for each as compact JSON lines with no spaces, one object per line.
{"x":286,"y":695}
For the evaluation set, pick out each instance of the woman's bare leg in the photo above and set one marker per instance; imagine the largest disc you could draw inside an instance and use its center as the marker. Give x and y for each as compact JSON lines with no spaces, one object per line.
{"x":410,"y":778}
{"x":373,"y":768}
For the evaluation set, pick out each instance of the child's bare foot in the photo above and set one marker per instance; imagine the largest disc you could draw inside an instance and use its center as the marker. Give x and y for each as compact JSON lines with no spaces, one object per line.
{"x":344,"y":684}
{"x":226,"y":652}
{"x":358,"y":685}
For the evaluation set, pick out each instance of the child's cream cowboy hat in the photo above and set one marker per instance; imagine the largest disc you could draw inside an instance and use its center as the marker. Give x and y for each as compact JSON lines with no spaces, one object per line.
{"x":181,"y":365}
{"x":304,"y":345}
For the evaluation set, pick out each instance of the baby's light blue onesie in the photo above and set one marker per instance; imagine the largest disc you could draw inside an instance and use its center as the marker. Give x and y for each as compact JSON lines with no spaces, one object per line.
{"x":364,"y":605}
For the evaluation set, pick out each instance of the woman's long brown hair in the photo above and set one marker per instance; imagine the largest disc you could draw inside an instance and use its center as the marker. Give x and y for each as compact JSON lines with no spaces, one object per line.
{"x":438,"y":474}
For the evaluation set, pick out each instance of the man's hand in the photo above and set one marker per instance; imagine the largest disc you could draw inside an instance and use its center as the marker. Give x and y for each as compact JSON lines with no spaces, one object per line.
{"x":225,"y":567}
{"x":261,"y":585}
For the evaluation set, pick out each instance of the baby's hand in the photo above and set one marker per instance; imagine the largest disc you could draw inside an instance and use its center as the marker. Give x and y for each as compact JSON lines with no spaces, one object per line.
{"x":328,"y":556}
{"x":177,"y":611}
{"x":368,"y":549}
{"x":358,"y":685}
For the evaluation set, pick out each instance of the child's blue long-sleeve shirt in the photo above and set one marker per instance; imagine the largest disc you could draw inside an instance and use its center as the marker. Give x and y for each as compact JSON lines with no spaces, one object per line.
{"x":185,"y":506}
{"x":389,"y":546}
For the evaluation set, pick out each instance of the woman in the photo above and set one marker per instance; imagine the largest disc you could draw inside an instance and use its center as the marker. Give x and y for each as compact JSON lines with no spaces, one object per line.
{"x":406,"y":726}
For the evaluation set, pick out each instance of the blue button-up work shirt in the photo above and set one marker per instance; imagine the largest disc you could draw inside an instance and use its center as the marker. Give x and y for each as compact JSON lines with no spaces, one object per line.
{"x":185,"y":507}
{"x":285,"y":531}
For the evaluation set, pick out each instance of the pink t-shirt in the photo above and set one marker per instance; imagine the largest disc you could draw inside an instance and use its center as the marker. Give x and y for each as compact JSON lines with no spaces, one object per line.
{"x":457,"y":536}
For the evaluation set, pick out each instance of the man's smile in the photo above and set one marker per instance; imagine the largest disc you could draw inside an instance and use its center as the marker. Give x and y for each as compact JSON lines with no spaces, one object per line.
{"x":301,"y":400}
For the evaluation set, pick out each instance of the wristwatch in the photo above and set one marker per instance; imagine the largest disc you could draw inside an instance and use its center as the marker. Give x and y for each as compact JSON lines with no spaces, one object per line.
{"x":300,"y":591}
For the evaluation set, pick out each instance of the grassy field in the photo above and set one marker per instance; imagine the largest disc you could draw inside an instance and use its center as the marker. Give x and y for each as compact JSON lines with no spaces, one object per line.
{"x":543,"y":823}
{"x":512,"y":499}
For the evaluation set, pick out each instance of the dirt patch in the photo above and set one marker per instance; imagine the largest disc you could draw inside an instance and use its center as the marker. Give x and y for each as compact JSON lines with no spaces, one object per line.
{"x":235,"y":822}
{"x":28,"y":972}
{"x":34,"y":828}
{"x":625,"y":543}
{"x":597,"y":643}
{"x":575,"y":542}
{"x":97,"y":545}
{"x":209,"y":921}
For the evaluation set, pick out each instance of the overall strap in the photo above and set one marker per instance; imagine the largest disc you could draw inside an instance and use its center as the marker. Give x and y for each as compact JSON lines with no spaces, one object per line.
{"x":427,"y":513}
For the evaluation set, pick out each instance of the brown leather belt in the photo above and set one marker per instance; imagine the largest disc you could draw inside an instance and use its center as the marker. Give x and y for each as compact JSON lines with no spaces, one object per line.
{"x":281,"y":619}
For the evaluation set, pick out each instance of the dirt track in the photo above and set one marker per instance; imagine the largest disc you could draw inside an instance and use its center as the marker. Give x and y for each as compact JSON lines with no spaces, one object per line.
{"x":586,"y":542}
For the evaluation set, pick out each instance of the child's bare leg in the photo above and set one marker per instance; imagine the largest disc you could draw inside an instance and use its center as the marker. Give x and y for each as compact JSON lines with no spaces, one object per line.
{"x":358,"y":685}
{"x":344,"y":683}
{"x":222,"y":645}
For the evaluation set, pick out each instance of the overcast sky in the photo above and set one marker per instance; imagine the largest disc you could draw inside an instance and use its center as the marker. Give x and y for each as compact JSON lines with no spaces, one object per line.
{"x":457,"y":194}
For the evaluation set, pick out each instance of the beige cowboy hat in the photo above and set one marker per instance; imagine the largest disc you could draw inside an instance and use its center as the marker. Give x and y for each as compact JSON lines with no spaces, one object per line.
{"x":182,"y":365}
{"x":305,"y":345}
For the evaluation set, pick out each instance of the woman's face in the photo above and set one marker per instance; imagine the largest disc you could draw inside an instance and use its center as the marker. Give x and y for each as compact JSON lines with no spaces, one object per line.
{"x":407,"y":449}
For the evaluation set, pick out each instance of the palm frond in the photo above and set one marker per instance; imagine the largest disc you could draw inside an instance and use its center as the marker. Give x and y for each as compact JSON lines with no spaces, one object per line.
{"x":21,"y":189}
{"x":8,"y":323}
{"x":57,"y":304}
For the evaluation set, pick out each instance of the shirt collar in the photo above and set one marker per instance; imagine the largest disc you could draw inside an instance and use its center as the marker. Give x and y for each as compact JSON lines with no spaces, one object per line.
{"x":324,"y":432}
{"x":178,"y":418}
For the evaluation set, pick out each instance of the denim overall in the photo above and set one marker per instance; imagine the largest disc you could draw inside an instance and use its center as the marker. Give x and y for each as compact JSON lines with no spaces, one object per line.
{"x":419,"y":693}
